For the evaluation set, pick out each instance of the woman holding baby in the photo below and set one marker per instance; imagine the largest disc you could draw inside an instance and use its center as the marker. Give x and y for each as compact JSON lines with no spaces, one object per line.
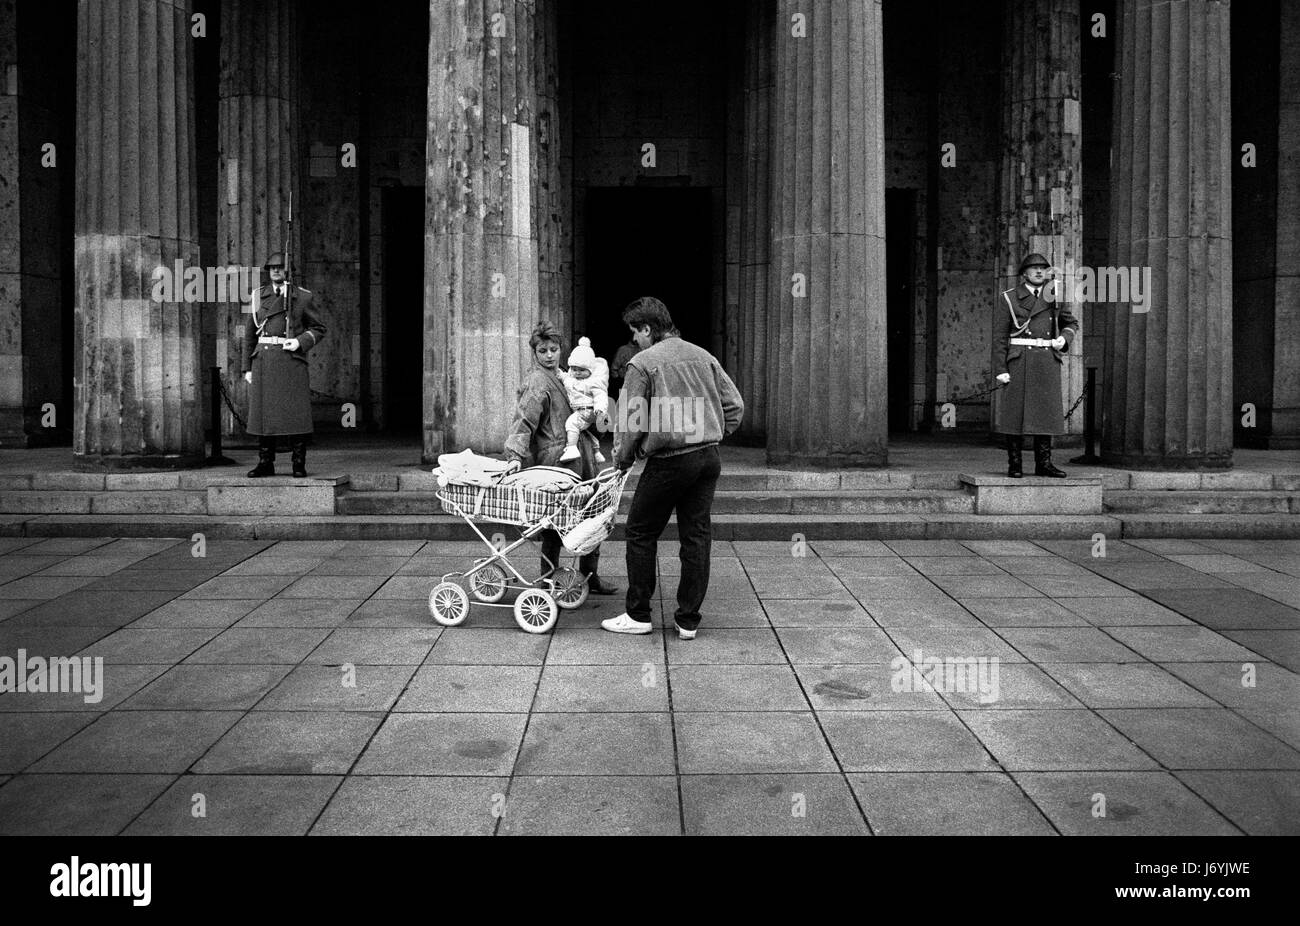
{"x":538,"y":435}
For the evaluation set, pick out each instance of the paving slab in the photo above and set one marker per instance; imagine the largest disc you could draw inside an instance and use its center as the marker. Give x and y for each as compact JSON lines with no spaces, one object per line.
{"x":791,"y":804}
{"x":597,"y":744}
{"x":140,"y":742}
{"x":188,"y":613}
{"x":75,"y":805}
{"x":882,"y":566}
{"x":726,"y":647}
{"x":1260,"y":803}
{"x":1263,"y":693}
{"x":237,"y":805}
{"x":904,"y":741}
{"x":949,"y":642}
{"x":817,"y":614}
{"x":116,"y":683}
{"x":1122,"y":804}
{"x":469,"y":646}
{"x":471,"y":689}
{"x":585,"y":646}
{"x":1022,"y":612}
{"x":1129,"y":684}
{"x":595,"y":805}
{"x":1051,"y":740}
{"x":849,"y":645}
{"x":947,"y":804}
{"x":751,"y":742}
{"x":1280,"y":646}
{"x":90,"y":608}
{"x":932,"y":566}
{"x":259,"y":645}
{"x":622,"y":688}
{"x":393,"y":612}
{"x":1202,"y":738}
{"x":736,"y":688}
{"x":146,"y":647}
{"x":336,"y":688}
{"x":1180,"y":644}
{"x":1071,"y":644}
{"x":207,"y":688}
{"x":376,"y":646}
{"x":864,"y":688}
{"x":291,"y":743}
{"x":444,"y":744}
{"x":1005,"y":686}
{"x":28,"y":736}
{"x":1124,"y":612}
{"x":401,"y":805}
{"x":1229,"y":609}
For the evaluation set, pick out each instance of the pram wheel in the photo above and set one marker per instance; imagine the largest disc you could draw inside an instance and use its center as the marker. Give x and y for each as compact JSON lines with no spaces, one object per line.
{"x":489,"y":584}
{"x":570,"y":588}
{"x":449,"y":604}
{"x":535,"y":611}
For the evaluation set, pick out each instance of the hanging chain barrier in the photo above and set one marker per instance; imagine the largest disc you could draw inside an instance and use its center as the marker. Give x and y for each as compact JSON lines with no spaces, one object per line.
{"x":969,"y":399}
{"x":221,"y":383}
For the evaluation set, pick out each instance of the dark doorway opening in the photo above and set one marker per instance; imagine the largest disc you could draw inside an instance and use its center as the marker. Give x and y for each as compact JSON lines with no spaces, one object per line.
{"x":648,"y":242}
{"x":900,"y":270}
{"x":403,"y":281}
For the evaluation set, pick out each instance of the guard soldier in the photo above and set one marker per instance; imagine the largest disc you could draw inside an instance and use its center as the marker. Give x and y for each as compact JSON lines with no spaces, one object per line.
{"x":284,"y":326}
{"x":1033,"y":335}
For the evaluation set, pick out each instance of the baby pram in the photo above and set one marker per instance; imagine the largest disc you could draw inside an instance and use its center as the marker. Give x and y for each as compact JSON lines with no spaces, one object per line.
{"x":582,"y":514}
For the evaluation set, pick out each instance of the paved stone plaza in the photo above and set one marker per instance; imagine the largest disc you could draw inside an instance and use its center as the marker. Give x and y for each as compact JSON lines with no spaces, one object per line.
{"x":225,"y":708}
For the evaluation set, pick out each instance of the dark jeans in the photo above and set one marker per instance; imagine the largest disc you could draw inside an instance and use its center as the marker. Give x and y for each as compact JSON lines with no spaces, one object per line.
{"x":684,"y":484}
{"x":552,"y":547}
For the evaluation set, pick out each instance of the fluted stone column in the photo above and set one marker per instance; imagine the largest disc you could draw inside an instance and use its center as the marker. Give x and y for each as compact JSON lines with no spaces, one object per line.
{"x":1042,"y":158}
{"x":137,"y":378}
{"x":755,"y":228}
{"x":257,"y":158}
{"x":1168,"y":386}
{"x":1284,"y":424}
{"x":480,"y":261}
{"x":551,"y":205}
{"x":32,"y":374}
{"x":827,"y":381}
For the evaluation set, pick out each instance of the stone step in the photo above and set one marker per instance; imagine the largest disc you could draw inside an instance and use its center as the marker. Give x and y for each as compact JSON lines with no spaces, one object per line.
{"x":1202,"y":502}
{"x":176,"y":501}
{"x":787,"y":503}
{"x":771,"y":481}
{"x":726,"y":527}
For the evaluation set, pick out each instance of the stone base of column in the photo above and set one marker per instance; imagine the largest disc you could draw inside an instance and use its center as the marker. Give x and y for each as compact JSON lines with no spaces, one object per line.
{"x":1167,"y":462}
{"x":875,"y":460}
{"x":96,"y":463}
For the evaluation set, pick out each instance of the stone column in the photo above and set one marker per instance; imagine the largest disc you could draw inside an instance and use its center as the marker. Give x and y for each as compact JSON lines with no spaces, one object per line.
{"x":32,"y":408}
{"x":1168,"y":387}
{"x":1042,"y":159}
{"x":1284,"y":424}
{"x":257,"y":158}
{"x":480,"y":261}
{"x":755,"y":229}
{"x":137,"y":378}
{"x":826,"y":336}
{"x":551,"y":204}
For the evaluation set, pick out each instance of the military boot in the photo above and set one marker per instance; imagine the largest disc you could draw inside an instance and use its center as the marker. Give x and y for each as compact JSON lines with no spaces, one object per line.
{"x":1014,"y":445}
{"x":265,"y":459}
{"x":300,"y":457}
{"x":1043,"y":458}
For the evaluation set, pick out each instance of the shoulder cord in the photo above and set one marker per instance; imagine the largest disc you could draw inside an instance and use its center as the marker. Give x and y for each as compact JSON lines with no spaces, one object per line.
{"x":1017,"y":328}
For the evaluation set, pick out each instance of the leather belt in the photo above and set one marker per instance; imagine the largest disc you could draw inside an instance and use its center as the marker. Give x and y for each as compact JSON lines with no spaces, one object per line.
{"x":1032,"y":342}
{"x":266,"y":340}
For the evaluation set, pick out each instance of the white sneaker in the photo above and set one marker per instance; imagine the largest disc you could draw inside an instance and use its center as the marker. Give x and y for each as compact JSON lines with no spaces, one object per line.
{"x":683,"y":633}
{"x":570,"y":453}
{"x":625,"y":624}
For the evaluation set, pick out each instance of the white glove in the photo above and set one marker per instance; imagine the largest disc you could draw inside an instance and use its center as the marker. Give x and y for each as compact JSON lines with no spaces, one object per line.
{"x":1004,"y":378}
{"x":1059,"y":342}
{"x":291,"y":344}
{"x":248,"y":377}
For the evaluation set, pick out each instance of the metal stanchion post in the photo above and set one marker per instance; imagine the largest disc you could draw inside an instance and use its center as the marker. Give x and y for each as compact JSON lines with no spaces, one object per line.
{"x":216,"y":459}
{"x":1089,"y":421}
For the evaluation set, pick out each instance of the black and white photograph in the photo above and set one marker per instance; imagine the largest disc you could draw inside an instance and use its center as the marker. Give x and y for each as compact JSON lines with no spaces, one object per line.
{"x":650,"y":418}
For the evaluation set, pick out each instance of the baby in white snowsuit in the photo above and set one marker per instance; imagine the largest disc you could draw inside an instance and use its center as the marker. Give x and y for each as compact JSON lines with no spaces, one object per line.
{"x":587,"y":384}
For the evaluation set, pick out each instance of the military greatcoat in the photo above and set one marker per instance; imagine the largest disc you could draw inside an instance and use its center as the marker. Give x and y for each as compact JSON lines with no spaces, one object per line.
{"x":1031,"y":402}
{"x":279,"y":398}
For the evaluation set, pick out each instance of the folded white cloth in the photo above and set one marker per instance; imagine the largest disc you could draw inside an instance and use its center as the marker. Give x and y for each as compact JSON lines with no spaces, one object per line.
{"x":549,"y":478}
{"x":469,"y":468}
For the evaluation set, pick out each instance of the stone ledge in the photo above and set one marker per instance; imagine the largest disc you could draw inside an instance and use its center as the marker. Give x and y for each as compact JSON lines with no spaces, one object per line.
{"x":264,"y":499}
{"x":1033,"y":495}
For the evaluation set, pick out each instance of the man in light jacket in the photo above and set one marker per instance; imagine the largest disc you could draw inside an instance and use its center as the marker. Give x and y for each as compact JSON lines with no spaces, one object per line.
{"x":677,"y":404}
